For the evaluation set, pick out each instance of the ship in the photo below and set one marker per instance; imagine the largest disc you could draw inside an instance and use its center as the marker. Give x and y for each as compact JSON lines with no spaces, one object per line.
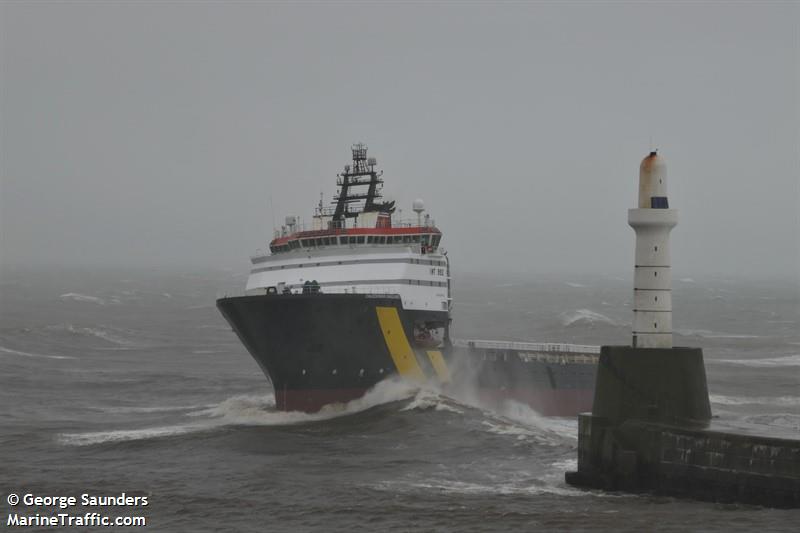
{"x":361,"y":295}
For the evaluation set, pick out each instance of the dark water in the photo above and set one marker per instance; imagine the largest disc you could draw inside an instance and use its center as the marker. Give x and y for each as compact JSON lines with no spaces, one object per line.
{"x":123,"y":381}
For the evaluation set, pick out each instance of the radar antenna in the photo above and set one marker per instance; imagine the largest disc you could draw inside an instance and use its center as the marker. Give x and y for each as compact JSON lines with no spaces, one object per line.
{"x":361,"y":173}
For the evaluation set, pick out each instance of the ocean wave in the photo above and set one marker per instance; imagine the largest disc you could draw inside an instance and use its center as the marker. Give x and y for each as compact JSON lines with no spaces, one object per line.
{"x":431,"y":399}
{"x":150,"y":409}
{"x":247,"y":410}
{"x":521,"y":421}
{"x":587,"y":316}
{"x":781,"y":401}
{"x":123,"y":435}
{"x":516,"y":483}
{"x":570,"y":464}
{"x":106,"y":333}
{"x":3,"y":349}
{"x":782,"y":420}
{"x":464,"y":487}
{"x":82,"y":298}
{"x":767,"y":362}
{"x":573,"y":284}
{"x":706,"y":334}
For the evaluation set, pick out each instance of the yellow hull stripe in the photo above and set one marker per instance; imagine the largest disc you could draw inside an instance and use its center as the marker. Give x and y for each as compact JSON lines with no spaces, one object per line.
{"x":396,"y":341}
{"x":439,"y":365}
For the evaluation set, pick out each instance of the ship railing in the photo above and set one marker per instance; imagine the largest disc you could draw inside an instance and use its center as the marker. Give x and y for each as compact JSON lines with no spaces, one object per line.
{"x":301,"y":226}
{"x":383,"y":292}
{"x":261,"y":256}
{"x":540,"y":347}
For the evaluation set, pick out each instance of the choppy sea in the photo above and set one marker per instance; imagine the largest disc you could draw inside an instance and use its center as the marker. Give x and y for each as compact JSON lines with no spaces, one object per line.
{"x":129,"y":381}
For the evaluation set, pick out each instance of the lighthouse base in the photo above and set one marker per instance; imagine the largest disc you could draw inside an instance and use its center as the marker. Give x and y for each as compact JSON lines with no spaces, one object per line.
{"x":650,"y":431}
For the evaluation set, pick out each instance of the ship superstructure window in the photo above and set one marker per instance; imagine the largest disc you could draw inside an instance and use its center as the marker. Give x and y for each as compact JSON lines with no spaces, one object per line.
{"x":428,"y":241}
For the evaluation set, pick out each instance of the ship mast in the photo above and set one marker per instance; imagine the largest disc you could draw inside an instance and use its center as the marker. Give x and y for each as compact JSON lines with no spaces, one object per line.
{"x":362,"y":173}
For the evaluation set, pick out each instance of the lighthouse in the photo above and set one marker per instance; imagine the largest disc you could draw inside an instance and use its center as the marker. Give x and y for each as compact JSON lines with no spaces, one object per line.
{"x":652,"y":221}
{"x":650,"y":427}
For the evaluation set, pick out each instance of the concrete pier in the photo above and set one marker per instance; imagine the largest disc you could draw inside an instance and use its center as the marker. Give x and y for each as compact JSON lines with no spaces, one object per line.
{"x":651,"y":431}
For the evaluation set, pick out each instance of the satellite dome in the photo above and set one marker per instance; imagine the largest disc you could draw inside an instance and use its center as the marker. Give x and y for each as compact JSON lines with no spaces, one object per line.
{"x":418,"y":206}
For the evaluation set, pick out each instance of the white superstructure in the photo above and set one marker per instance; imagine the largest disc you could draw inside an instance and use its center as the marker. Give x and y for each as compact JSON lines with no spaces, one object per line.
{"x":420,"y":279}
{"x":652,"y":286}
{"x":358,"y":247}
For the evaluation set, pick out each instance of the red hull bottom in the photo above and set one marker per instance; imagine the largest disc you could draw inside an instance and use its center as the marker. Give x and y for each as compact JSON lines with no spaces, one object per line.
{"x":560,"y":402}
{"x":312,"y":400}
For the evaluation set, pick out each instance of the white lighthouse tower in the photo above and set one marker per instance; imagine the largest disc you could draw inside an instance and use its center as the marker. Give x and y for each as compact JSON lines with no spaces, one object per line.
{"x":652,"y":282}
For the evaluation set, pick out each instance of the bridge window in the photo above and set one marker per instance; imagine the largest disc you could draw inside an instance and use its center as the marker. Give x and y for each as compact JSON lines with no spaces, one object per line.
{"x":369,"y":239}
{"x":360,"y":239}
{"x":342,"y":240}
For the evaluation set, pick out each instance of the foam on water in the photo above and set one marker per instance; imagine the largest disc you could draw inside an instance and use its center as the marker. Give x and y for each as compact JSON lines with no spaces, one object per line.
{"x":781,"y":420}
{"x":252,"y":410}
{"x":9,"y":351}
{"x":570,"y":464}
{"x":466,"y":488}
{"x":104,"y":437}
{"x":150,"y":409}
{"x":706,"y":334}
{"x":564,"y":428}
{"x":586,"y":316}
{"x":780,"y":401}
{"x":82,"y":298}
{"x":768,"y":362}
{"x":430,"y":398}
{"x":520,"y":421}
{"x":105,"y":333}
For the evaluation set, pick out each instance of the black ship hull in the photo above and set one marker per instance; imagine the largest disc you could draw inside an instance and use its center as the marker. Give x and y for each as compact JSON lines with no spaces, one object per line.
{"x":319,"y":349}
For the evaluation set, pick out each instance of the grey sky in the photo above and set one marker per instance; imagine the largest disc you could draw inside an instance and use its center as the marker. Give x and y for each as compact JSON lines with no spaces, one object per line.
{"x":155,"y":134}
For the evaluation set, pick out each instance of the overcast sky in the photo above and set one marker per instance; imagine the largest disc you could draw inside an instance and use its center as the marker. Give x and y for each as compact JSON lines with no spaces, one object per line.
{"x":156,"y":133}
